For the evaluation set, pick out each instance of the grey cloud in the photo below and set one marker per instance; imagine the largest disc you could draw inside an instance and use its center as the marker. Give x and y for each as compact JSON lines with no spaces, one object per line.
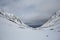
{"x":32,"y":10}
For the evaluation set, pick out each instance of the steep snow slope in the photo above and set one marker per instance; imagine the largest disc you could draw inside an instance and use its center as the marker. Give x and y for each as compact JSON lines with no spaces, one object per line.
{"x":52,"y":21}
{"x":12,"y":18}
{"x":18,"y":21}
{"x":11,"y":31}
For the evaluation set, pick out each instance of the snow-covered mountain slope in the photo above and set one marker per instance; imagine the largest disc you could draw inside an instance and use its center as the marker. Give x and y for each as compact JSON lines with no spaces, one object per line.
{"x":11,"y":31}
{"x":53,"y":19}
{"x":12,"y":18}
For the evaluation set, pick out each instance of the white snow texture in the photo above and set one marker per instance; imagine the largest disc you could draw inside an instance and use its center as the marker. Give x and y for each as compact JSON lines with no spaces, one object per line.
{"x":12,"y":28}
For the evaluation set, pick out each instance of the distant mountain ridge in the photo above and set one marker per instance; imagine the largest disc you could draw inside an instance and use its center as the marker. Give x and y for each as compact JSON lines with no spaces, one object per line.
{"x":52,"y":20}
{"x":17,"y":20}
{"x":12,"y":18}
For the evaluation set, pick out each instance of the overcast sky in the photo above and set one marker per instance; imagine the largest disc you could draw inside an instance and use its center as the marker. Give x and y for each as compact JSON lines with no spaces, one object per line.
{"x":31,"y":11}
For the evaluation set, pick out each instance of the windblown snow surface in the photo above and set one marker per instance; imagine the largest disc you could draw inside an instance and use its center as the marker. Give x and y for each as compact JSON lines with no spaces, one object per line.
{"x":49,"y":31}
